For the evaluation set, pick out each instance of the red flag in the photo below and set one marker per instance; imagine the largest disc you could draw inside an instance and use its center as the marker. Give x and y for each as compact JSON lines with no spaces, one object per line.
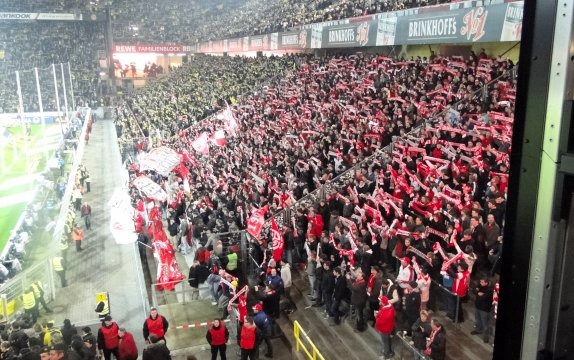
{"x":278,"y":243}
{"x":183,"y":170}
{"x":200,"y":144}
{"x":255,"y":222}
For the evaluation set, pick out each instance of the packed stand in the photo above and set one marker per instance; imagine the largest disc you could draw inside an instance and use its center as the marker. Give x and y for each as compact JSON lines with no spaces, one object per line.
{"x":159,"y":22}
{"x":41,"y":44}
{"x":440,"y":191}
{"x":191,"y":93}
{"x":419,"y":229}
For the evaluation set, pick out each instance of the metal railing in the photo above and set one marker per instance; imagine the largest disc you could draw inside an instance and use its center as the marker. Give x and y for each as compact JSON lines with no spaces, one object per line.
{"x":11,"y":291}
{"x":406,"y":350}
{"x":303,"y":341}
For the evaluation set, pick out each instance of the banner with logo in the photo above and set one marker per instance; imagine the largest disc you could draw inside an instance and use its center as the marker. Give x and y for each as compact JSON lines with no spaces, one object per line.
{"x":157,"y":48}
{"x":233,"y":45}
{"x":122,"y":225}
{"x":460,"y":23}
{"x":294,"y":40}
{"x":350,"y":35}
{"x":386,"y":31}
{"x":479,"y":24}
{"x":149,"y":188}
{"x":512,"y":26}
{"x":258,"y":43}
{"x":161,"y":160}
{"x":39,"y":16}
{"x":256,"y":221}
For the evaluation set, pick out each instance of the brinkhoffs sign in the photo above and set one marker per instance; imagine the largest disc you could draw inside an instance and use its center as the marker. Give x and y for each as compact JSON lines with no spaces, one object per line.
{"x":462,"y":23}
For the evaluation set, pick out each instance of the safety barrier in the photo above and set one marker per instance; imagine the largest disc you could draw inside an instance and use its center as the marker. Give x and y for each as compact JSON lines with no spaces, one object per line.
{"x":11,"y":291}
{"x":300,"y":334}
{"x":405,"y":349}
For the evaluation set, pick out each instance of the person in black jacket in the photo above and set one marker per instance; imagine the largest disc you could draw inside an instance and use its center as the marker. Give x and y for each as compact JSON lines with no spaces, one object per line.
{"x":412,"y":300}
{"x":193,"y":280}
{"x":436,"y":343}
{"x":67,"y":331}
{"x":421,"y":330}
{"x":327,"y":285}
{"x":483,"y":306}
{"x":358,"y":289}
{"x":339,"y":291}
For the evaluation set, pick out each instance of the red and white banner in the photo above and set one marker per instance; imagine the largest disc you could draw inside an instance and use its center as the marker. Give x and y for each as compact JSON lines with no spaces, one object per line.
{"x":230,"y":121}
{"x":256,"y":221}
{"x":150,"y":189}
{"x":200,"y":144}
{"x":121,"y":220}
{"x":168,"y":274}
{"x":278,"y":242}
{"x":157,"y":48}
{"x":161,"y":160}
{"x":218,"y":138}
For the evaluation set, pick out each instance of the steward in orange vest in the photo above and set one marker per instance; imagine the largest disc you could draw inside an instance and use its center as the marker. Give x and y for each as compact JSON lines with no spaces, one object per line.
{"x":217,"y":337}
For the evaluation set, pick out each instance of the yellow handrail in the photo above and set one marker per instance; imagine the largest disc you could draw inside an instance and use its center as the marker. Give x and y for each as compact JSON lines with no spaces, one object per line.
{"x":298,"y":332}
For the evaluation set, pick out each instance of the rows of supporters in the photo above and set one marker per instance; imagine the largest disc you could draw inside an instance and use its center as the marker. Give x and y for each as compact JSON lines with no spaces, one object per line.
{"x":192,"y":92}
{"x":441,"y":190}
{"x":37,"y":44}
{"x":140,"y":22}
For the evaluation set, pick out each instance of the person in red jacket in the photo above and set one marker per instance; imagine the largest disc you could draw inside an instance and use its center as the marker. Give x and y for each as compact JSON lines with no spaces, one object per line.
{"x":127,"y":347}
{"x":217,"y":336}
{"x":155,"y":324}
{"x":250,"y":339}
{"x":384,"y":323}
{"x":108,"y":338}
{"x":315,"y":223}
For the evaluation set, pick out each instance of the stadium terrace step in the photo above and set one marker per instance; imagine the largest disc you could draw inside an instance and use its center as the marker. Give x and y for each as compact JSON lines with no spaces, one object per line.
{"x":334,"y":342}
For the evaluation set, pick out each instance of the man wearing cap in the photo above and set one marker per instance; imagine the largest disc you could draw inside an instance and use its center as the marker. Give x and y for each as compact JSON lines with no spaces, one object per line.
{"x":89,"y":342}
{"x":57,"y":352}
{"x":263,"y":324}
{"x":384,"y":324}
{"x":250,"y":339}
{"x":108,"y":338}
{"x":45,"y":353}
{"x":155,"y":324}
{"x":217,"y":337}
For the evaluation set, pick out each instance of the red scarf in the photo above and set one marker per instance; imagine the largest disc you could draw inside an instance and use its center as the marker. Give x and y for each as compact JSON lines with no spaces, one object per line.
{"x":431,"y":339}
{"x":370,"y":284}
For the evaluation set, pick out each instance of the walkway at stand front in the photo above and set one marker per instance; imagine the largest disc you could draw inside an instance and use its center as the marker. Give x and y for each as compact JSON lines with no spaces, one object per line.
{"x":103,"y":265}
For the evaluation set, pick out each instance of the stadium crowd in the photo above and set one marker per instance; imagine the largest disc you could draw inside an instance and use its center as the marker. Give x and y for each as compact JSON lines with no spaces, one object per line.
{"x":223,"y":19}
{"x":426,"y":212}
{"x":194,"y":91}
{"x":39,"y":44}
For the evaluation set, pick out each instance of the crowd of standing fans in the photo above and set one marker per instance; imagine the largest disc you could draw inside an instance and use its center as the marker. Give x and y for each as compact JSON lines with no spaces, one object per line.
{"x":223,"y":19}
{"x":39,"y":44}
{"x":416,"y":227}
